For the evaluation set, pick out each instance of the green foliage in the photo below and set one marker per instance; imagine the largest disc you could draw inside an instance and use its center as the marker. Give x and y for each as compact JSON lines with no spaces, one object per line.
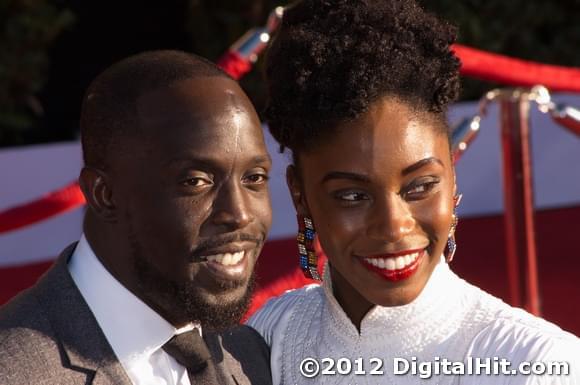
{"x":541,"y":31}
{"x":547,"y":32}
{"x":27,"y":29}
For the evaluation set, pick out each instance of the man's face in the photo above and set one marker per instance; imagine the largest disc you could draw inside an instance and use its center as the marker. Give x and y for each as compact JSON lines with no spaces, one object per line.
{"x":193,"y":198}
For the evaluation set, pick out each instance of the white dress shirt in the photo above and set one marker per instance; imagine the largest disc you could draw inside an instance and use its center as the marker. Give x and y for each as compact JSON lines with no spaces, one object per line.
{"x":134,"y":330}
{"x":450,"y":319}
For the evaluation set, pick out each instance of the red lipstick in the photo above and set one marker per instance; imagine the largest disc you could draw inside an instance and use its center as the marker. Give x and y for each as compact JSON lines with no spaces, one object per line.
{"x":393,"y":274}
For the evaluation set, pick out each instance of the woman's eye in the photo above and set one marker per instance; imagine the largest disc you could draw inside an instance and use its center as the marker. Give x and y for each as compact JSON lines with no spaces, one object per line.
{"x":351,"y":196}
{"x":421,"y":188}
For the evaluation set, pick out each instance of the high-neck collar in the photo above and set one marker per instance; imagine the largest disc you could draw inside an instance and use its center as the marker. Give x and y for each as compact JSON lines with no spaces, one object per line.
{"x":435,"y":303}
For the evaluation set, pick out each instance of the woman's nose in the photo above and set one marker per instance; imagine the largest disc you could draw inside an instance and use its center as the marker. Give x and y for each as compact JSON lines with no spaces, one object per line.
{"x":391,"y":219}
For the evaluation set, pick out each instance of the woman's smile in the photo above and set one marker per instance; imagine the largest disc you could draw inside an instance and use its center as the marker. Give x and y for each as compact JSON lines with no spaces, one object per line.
{"x":394,"y":267}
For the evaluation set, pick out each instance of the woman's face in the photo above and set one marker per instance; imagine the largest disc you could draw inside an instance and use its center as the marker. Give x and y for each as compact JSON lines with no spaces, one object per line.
{"x":380,"y":193}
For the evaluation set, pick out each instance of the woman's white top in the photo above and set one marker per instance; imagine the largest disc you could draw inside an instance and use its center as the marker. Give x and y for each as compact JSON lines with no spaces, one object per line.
{"x":451,"y":327}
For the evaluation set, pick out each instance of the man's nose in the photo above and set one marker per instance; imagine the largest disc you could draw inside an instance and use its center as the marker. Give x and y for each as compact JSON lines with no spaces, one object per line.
{"x":232,"y":208}
{"x":390,"y":220}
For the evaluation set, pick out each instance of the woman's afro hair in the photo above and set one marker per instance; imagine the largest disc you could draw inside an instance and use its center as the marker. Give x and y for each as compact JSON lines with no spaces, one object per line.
{"x":331,"y":59}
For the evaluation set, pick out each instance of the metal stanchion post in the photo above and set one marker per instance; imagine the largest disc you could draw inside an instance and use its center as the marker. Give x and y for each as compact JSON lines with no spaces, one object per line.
{"x":518,"y":201}
{"x":517,"y":176}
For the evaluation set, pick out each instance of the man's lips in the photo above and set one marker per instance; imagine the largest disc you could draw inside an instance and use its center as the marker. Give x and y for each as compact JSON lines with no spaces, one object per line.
{"x":395,"y":266}
{"x":205,"y":254}
{"x":229,"y":262}
{"x":229,"y":266}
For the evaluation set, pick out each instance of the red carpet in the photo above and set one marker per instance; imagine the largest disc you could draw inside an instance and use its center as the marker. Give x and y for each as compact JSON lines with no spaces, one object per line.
{"x":479,"y":259}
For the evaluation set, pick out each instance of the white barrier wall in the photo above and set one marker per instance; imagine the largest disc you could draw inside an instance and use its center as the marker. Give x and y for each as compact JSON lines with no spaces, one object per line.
{"x":556,"y":162}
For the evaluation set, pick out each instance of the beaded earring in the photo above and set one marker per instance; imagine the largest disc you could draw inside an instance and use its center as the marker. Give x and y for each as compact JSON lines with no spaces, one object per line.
{"x":308,"y":258}
{"x":451,"y":244}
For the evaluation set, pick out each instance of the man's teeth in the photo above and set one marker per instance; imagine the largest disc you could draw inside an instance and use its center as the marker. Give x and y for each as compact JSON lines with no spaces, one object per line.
{"x":394,"y":263}
{"x":226,"y":259}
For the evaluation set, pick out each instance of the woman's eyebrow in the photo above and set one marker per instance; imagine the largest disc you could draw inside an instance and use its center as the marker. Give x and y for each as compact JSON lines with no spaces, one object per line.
{"x":419,"y":164}
{"x":345,"y":175}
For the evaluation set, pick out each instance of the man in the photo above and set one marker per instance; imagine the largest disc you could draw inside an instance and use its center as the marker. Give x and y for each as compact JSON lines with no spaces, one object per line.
{"x":175,"y":178}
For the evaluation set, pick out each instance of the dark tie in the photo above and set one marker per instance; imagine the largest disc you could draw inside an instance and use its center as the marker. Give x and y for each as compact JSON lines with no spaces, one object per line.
{"x":191,"y":351}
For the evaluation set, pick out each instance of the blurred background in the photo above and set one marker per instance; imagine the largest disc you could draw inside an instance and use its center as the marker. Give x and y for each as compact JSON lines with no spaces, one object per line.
{"x":51,"y":50}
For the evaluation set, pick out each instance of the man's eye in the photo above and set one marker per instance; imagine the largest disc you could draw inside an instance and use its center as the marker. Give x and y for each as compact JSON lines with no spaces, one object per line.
{"x":197,"y":182}
{"x":256,"y":178}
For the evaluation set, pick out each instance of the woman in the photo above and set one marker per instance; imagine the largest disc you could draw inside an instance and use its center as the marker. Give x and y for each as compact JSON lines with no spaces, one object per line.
{"x":358,"y":93}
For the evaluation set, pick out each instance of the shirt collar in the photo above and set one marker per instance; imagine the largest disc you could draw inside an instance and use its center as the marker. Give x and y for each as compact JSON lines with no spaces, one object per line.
{"x":132,"y":328}
{"x":438,"y":297}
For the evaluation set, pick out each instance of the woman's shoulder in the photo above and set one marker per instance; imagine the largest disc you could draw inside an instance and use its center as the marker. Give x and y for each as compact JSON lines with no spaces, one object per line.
{"x":503,"y":331}
{"x":277,"y":312}
{"x":289,"y":299}
{"x":519,"y":336}
{"x":537,"y":351}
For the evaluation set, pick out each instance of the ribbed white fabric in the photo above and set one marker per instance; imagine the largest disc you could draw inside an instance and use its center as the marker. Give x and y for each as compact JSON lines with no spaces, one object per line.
{"x":450,"y":319}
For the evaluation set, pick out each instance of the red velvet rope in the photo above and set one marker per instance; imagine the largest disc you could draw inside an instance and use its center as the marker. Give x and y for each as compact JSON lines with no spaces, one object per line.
{"x":234,"y":64}
{"x":52,"y":204}
{"x":515,"y":72}
{"x":475,"y":63}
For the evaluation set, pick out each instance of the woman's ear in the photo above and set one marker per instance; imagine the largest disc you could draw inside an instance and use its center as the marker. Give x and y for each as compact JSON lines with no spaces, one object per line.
{"x":98,"y":192}
{"x":297,"y":191}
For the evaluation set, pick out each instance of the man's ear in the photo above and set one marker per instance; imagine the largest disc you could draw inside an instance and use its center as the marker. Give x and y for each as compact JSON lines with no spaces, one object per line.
{"x":296,"y":191}
{"x":98,"y":192}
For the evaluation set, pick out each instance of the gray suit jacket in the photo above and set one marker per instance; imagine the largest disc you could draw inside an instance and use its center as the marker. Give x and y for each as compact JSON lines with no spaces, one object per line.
{"x":48,"y":335}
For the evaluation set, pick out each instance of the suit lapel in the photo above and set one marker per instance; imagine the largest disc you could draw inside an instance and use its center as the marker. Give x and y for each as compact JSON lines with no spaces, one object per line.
{"x":84,"y":347}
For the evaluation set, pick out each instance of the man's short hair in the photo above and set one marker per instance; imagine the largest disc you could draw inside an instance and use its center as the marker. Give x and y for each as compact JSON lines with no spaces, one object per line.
{"x":109,"y":107}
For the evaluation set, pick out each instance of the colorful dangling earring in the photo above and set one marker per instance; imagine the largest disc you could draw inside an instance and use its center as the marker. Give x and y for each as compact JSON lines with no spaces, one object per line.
{"x":451,"y":244}
{"x":308,"y":258}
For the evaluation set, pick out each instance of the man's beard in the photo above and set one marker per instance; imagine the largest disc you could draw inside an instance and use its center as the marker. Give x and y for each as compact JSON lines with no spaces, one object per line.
{"x":186,"y":299}
{"x":215,"y":316}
